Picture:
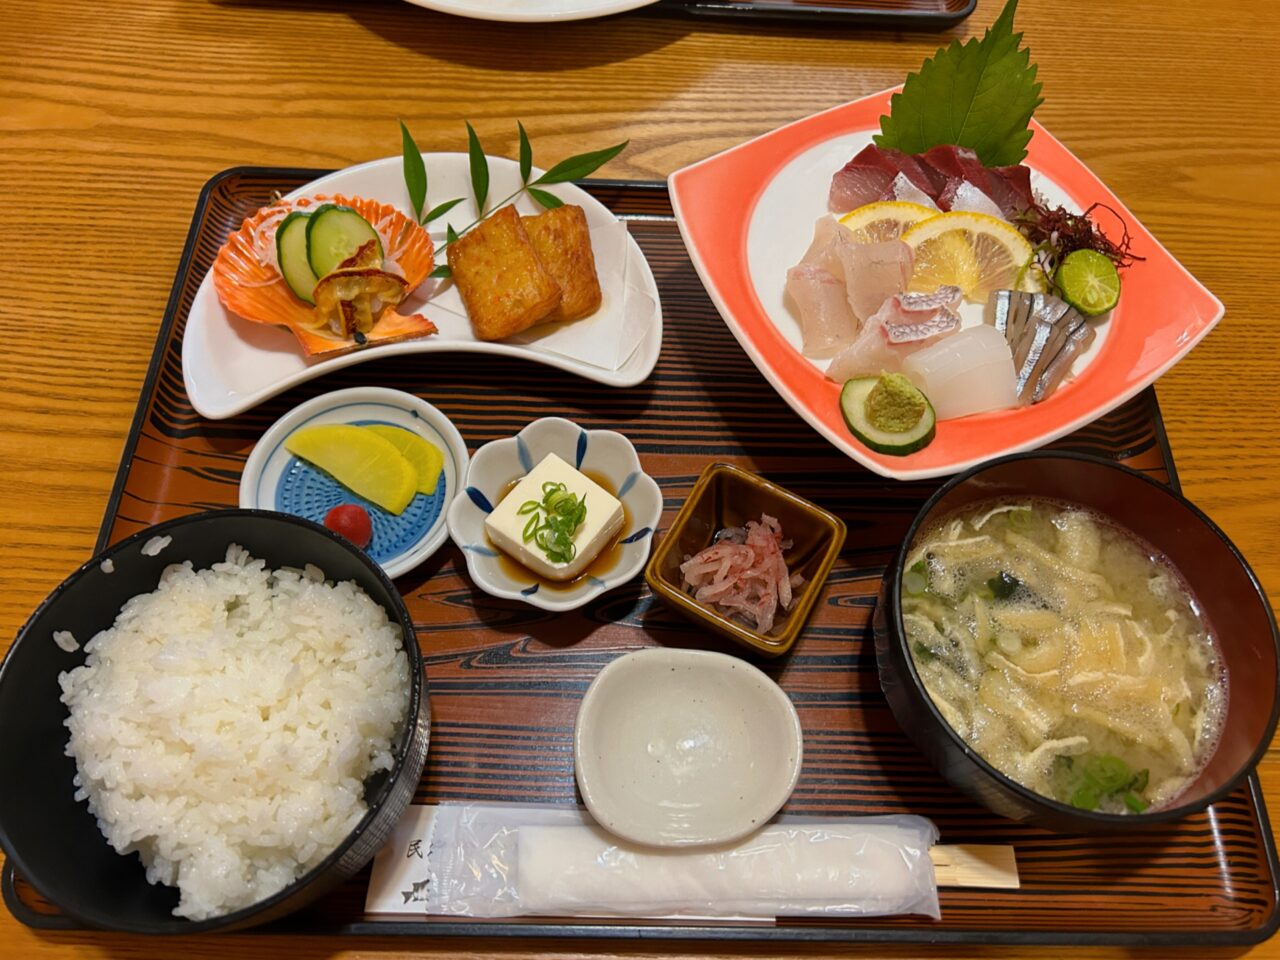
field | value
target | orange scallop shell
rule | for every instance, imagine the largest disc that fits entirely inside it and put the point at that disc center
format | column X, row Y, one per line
column 257, row 292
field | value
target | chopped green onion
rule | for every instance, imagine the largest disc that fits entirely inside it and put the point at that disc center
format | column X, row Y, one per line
column 915, row 583
column 1134, row 802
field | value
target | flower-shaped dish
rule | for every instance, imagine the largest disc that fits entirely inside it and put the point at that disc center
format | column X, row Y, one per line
column 726, row 496
column 607, row 458
column 747, row 214
column 275, row 479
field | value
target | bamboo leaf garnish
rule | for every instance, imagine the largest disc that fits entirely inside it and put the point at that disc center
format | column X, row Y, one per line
column 441, row 209
column 583, row 165
column 574, row 168
column 526, row 155
column 415, row 172
column 548, row 200
column 441, row 272
column 479, row 169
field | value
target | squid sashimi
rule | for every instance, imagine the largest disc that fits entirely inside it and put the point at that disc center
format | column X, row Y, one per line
column 965, row 373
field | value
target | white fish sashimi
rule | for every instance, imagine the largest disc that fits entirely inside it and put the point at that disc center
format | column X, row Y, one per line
column 872, row 353
column 828, row 236
column 874, row 272
column 826, row 321
column 968, row 372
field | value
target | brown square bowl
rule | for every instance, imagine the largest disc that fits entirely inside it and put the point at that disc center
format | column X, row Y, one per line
column 727, row 496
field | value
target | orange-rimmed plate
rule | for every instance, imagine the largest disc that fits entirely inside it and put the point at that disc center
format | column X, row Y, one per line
column 747, row 214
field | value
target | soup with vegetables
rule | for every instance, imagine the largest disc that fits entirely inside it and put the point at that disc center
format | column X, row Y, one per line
column 1067, row 652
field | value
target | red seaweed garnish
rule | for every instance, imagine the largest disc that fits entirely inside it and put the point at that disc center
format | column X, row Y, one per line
column 1056, row 231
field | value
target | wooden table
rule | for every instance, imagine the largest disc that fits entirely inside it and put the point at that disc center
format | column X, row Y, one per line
column 113, row 116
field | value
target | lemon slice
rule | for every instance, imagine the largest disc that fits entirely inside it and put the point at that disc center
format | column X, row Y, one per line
column 423, row 454
column 975, row 252
column 360, row 460
column 884, row 220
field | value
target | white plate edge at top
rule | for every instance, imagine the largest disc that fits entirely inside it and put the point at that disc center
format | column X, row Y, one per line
column 509, row 12
column 200, row 379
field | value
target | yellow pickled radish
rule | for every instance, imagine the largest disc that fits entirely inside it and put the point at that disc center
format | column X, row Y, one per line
column 360, row 460
column 423, row 454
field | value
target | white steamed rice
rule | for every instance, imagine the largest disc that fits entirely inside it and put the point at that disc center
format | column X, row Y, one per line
column 222, row 728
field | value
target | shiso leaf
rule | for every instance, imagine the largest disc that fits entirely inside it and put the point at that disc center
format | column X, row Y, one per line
column 415, row 172
column 979, row 95
column 582, row 165
column 548, row 200
column 526, row 154
column 479, row 169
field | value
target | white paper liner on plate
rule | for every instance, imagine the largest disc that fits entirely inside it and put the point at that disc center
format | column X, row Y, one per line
column 492, row 860
column 608, row 337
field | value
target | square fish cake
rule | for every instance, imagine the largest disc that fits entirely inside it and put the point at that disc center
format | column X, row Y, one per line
column 503, row 284
column 563, row 243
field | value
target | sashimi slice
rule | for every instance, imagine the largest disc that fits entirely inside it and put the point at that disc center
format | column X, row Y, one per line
column 827, row 322
column 828, row 236
column 966, row 373
column 903, row 189
column 874, row 272
column 872, row 352
column 860, row 181
column 963, row 196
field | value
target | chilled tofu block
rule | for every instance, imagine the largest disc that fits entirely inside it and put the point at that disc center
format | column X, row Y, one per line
column 506, row 525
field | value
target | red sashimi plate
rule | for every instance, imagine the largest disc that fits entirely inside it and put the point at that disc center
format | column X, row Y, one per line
column 747, row 214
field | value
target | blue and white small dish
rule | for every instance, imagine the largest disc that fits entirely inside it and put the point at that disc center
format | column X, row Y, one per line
column 602, row 454
column 274, row 479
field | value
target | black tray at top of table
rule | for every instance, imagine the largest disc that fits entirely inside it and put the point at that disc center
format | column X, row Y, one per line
column 505, row 679
column 897, row 14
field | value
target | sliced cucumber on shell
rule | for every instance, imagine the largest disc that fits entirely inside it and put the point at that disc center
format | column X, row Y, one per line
column 291, row 255
column 335, row 233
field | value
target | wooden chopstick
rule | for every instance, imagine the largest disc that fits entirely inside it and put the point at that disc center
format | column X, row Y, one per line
column 988, row 865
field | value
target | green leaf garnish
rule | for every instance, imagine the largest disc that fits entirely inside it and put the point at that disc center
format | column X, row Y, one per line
column 583, row 165
column 441, row 209
column 415, row 172
column 441, row 272
column 526, row 154
column 979, row 95
column 479, row 169
column 553, row 521
column 548, row 200
column 415, row 178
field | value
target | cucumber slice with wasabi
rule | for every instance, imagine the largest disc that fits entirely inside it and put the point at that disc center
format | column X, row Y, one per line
column 335, row 233
column 291, row 255
column 888, row 413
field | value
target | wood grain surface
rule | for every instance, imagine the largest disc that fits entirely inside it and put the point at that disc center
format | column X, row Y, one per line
column 113, row 115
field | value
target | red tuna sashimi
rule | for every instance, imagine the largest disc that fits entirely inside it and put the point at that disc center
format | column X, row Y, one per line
column 868, row 177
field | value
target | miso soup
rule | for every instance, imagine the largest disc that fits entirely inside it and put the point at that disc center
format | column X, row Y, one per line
column 1067, row 652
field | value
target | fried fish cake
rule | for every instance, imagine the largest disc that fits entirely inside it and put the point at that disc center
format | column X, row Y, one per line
column 503, row 284
column 563, row 243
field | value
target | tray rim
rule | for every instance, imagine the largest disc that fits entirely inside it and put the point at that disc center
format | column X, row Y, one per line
column 534, row 930
column 766, row 10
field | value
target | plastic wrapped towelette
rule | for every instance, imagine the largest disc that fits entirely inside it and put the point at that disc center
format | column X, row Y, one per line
column 486, row 860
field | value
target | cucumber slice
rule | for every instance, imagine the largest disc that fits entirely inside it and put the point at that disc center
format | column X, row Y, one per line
column 334, row 233
column 853, row 404
column 291, row 255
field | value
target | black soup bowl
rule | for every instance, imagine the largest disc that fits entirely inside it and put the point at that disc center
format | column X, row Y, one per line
column 54, row 841
column 1231, row 598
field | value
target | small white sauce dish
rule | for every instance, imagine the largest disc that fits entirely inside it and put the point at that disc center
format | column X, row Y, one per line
column 601, row 454
column 677, row 748
column 275, row 479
